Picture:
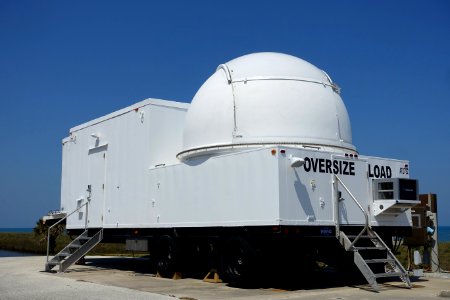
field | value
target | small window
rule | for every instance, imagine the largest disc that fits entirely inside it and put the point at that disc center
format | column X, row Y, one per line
column 386, row 190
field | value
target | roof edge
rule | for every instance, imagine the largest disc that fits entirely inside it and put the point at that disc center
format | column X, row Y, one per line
column 148, row 101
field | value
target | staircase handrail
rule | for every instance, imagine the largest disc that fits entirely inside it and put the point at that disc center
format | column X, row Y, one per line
column 74, row 211
column 366, row 216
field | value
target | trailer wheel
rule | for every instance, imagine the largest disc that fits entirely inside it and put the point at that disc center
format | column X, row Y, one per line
column 166, row 256
column 237, row 261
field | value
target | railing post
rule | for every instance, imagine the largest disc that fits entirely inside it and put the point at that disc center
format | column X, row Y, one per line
column 48, row 243
column 336, row 205
column 86, row 218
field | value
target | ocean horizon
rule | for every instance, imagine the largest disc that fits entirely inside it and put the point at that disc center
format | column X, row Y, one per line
column 16, row 230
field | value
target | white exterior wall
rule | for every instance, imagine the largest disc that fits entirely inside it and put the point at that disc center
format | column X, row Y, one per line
column 255, row 187
column 306, row 196
column 230, row 190
column 137, row 182
column 130, row 141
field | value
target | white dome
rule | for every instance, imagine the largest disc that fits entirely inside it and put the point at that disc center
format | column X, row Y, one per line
column 266, row 99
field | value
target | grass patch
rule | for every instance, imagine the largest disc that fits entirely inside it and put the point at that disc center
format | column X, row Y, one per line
column 444, row 255
column 22, row 242
column 30, row 243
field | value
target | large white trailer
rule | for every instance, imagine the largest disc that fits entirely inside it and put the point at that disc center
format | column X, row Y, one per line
column 260, row 165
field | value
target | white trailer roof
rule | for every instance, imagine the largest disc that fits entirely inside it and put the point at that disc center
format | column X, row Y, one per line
column 149, row 101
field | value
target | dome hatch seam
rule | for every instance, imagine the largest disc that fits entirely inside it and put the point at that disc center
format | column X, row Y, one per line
column 287, row 78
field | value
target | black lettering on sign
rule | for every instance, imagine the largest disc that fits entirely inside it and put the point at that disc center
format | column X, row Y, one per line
column 345, row 167
column 321, row 165
column 328, row 166
column 314, row 164
column 352, row 168
column 404, row 170
column 376, row 171
column 307, row 164
column 335, row 167
column 380, row 171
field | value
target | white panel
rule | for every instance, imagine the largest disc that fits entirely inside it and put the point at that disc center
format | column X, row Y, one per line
column 238, row 189
column 306, row 195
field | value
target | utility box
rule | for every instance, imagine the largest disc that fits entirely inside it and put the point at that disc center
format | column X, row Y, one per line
column 421, row 216
column 394, row 195
column 419, row 229
column 136, row 245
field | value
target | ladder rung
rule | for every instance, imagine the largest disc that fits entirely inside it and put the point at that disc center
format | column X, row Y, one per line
column 391, row 274
column 378, row 260
column 50, row 263
column 74, row 246
column 63, row 254
column 362, row 237
column 369, row 248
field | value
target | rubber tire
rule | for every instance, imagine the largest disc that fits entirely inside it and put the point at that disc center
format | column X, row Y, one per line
column 238, row 261
column 197, row 258
column 167, row 255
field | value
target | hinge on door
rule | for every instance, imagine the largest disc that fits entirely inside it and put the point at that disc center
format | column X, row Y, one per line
column 103, row 186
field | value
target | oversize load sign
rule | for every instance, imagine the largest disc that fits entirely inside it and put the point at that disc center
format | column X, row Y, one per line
column 343, row 167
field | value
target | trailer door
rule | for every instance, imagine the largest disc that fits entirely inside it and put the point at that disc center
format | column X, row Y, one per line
column 353, row 173
column 97, row 172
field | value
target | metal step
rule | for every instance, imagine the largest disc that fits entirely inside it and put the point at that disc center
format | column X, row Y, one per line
column 370, row 248
column 378, row 260
column 391, row 274
column 361, row 237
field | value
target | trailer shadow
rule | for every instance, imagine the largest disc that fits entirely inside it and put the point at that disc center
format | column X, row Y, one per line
column 141, row 265
column 292, row 280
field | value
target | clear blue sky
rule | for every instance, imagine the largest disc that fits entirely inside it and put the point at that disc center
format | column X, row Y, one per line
column 66, row 62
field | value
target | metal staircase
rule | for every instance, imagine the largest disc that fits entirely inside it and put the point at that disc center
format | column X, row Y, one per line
column 78, row 248
column 370, row 252
column 373, row 257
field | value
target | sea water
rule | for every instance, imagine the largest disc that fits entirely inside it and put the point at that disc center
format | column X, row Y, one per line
column 7, row 253
column 444, row 233
column 17, row 230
